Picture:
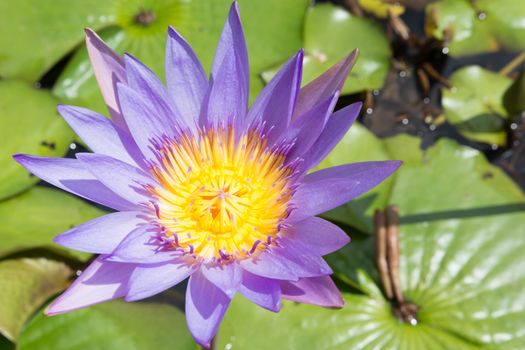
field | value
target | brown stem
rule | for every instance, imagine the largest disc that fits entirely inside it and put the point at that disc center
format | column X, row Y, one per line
column 393, row 251
column 381, row 252
column 354, row 7
column 435, row 75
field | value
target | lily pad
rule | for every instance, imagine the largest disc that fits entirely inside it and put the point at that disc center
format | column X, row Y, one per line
column 25, row 284
column 331, row 33
column 474, row 105
column 475, row 27
column 273, row 31
column 29, row 123
column 461, row 263
column 32, row 219
column 36, row 34
column 113, row 325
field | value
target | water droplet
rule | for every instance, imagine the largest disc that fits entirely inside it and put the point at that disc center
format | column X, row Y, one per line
column 494, row 147
column 445, row 50
column 482, row 16
column 516, row 143
column 426, row 100
column 73, row 146
column 78, row 272
column 369, row 111
column 513, row 126
column 405, row 121
column 432, row 127
column 38, row 85
column 376, row 92
column 413, row 322
column 228, row 346
column 428, row 119
column 402, row 74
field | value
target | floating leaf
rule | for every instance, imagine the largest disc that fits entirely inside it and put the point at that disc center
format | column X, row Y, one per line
column 113, row 325
column 474, row 105
column 461, row 263
column 200, row 22
column 36, row 34
column 29, row 123
column 33, row 218
column 381, row 8
column 25, row 284
column 470, row 27
column 331, row 33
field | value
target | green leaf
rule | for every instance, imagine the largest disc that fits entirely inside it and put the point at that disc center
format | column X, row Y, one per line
column 330, row 34
column 29, row 123
column 475, row 27
column 273, row 31
column 33, row 218
column 461, row 263
column 36, row 34
column 25, row 284
column 366, row 322
column 474, row 105
column 113, row 325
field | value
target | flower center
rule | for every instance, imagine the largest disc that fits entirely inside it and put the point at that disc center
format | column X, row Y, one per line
column 221, row 198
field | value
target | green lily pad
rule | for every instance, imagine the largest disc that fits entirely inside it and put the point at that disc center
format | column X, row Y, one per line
column 461, row 263
column 330, row 34
column 273, row 31
column 113, row 325
column 29, row 123
column 474, row 105
column 36, row 34
column 25, row 284
column 32, row 219
column 476, row 27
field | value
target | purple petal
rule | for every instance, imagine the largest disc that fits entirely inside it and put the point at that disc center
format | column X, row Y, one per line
column 70, row 175
column 319, row 291
column 226, row 277
column 125, row 180
column 275, row 104
column 262, row 291
column 318, row 235
column 205, row 308
column 144, row 82
column 329, row 188
column 100, row 281
column 186, row 79
column 109, row 70
column 302, row 260
column 146, row 126
column 270, row 265
column 101, row 235
column 324, row 86
column 148, row 280
column 306, row 129
column 336, row 127
column 142, row 246
column 101, row 134
column 227, row 98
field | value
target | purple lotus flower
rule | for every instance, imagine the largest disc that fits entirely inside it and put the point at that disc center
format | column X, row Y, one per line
column 205, row 188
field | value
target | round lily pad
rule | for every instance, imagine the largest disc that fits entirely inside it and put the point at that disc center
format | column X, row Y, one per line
column 33, row 218
column 474, row 104
column 112, row 325
column 330, row 34
column 25, row 284
column 472, row 27
column 29, row 123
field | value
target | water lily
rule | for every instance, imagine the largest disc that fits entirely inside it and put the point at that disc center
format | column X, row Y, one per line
column 204, row 187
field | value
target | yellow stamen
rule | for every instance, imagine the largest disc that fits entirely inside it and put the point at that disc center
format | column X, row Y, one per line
column 221, row 197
